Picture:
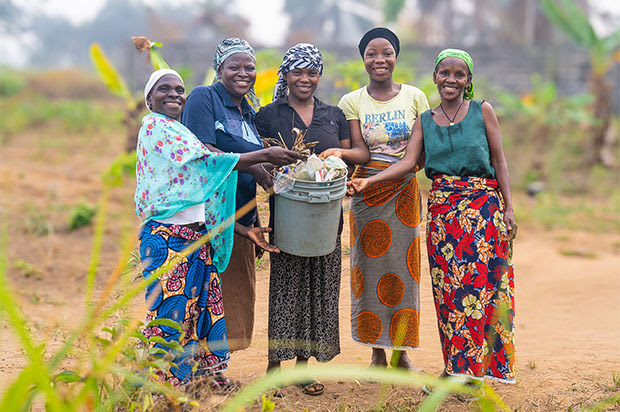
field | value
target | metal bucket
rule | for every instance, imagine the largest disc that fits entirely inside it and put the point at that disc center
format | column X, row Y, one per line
column 307, row 217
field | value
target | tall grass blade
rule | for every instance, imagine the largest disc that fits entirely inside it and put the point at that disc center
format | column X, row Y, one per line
column 350, row 373
column 100, row 221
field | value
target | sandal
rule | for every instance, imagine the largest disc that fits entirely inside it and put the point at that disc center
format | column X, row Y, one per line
column 429, row 389
column 221, row 384
column 475, row 391
column 305, row 387
column 279, row 393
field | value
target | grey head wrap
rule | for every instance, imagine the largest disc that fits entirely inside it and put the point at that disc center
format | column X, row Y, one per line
column 227, row 48
column 300, row 56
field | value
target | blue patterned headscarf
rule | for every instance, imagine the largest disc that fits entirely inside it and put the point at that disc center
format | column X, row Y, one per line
column 227, row 48
column 300, row 56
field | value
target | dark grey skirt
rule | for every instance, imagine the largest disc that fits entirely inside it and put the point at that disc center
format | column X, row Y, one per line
column 303, row 306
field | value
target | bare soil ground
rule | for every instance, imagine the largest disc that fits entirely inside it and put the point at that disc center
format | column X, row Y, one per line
column 567, row 290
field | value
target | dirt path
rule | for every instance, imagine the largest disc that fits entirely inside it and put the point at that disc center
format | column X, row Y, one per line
column 567, row 292
column 568, row 309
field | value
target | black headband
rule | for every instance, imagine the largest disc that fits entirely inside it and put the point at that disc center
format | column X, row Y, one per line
column 379, row 32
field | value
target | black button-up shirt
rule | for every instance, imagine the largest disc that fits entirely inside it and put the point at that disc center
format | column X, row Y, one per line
column 329, row 126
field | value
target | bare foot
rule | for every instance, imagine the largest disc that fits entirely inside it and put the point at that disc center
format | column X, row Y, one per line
column 378, row 358
column 273, row 366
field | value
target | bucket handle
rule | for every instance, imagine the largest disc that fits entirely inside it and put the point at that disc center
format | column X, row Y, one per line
column 324, row 197
column 318, row 197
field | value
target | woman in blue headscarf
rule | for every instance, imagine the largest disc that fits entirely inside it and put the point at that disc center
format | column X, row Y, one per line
column 185, row 192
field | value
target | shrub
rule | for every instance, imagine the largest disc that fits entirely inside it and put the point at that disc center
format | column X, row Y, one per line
column 82, row 215
column 11, row 82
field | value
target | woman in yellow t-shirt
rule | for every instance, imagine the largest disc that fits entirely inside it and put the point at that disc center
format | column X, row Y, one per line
column 384, row 218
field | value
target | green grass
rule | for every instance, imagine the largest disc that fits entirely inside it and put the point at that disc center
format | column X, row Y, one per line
column 11, row 82
column 58, row 116
column 577, row 253
column 582, row 213
column 28, row 270
column 616, row 379
column 38, row 224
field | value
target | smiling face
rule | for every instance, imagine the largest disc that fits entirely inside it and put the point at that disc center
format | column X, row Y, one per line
column 452, row 77
column 237, row 75
column 167, row 97
column 302, row 83
column 379, row 59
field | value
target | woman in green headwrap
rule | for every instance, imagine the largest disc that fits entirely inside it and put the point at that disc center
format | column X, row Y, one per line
column 470, row 224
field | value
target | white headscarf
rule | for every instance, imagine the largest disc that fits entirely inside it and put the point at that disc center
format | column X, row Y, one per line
column 155, row 76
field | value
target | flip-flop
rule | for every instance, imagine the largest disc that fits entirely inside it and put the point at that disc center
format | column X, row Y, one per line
column 474, row 393
column 305, row 388
column 428, row 389
column 220, row 383
column 279, row 393
column 463, row 397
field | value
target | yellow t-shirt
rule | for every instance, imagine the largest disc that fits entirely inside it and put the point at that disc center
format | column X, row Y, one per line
column 385, row 126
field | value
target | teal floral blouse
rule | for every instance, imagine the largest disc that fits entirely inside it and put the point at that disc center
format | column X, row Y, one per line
column 175, row 171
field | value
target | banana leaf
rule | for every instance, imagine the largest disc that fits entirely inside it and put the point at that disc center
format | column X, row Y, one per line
column 113, row 81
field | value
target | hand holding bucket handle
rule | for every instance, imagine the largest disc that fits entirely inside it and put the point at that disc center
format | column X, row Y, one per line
column 279, row 156
column 356, row 186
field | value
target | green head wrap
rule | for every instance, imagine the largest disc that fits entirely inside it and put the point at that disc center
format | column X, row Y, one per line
column 468, row 93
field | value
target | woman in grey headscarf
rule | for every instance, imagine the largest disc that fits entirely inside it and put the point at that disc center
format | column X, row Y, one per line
column 222, row 117
column 303, row 291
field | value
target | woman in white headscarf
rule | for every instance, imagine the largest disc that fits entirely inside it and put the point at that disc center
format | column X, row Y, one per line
column 185, row 192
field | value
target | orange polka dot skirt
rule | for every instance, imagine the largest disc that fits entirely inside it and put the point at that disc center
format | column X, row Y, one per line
column 385, row 261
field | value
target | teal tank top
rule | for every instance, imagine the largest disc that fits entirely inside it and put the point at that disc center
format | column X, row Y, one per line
column 458, row 150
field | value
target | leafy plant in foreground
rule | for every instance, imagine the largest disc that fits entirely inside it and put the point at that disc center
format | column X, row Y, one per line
column 105, row 374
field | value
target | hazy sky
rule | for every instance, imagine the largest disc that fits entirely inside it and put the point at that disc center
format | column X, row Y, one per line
column 268, row 23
